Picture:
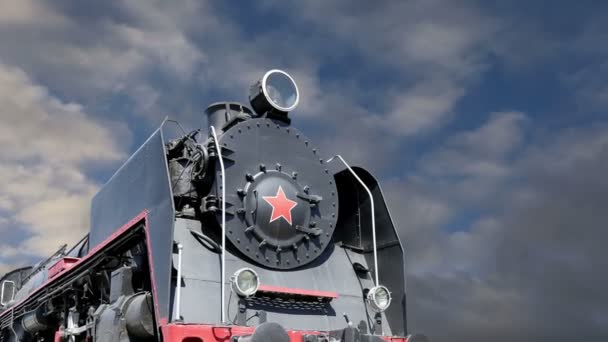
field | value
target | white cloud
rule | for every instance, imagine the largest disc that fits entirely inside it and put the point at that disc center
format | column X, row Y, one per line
column 5, row 268
column 421, row 108
column 47, row 143
column 482, row 152
column 437, row 49
column 27, row 12
column 37, row 125
column 93, row 58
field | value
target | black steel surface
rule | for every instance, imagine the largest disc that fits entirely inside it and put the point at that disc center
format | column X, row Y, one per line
column 261, row 156
column 142, row 183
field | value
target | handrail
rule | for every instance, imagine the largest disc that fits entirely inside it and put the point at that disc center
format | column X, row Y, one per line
column 223, row 174
column 371, row 199
column 178, row 289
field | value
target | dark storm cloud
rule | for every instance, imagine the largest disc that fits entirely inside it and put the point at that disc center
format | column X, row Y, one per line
column 532, row 268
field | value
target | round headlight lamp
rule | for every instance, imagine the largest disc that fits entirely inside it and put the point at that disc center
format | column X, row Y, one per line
column 276, row 91
column 379, row 298
column 245, row 282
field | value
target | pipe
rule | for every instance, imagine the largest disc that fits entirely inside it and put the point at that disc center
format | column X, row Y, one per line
column 371, row 200
column 223, row 173
column 178, row 289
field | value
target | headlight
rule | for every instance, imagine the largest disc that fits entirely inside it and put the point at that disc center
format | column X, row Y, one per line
column 276, row 90
column 245, row 282
column 379, row 298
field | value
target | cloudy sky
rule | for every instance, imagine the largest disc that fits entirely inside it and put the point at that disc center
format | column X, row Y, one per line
column 486, row 123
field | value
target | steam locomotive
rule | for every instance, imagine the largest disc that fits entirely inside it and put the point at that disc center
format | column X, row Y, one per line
column 244, row 235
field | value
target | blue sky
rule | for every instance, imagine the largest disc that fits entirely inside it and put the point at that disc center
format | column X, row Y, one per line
column 486, row 124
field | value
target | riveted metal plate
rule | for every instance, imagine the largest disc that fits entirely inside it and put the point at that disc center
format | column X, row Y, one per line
column 269, row 162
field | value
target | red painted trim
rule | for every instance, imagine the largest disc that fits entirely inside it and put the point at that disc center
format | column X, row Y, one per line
column 300, row 292
column 58, row 336
column 209, row 333
column 61, row 265
column 159, row 320
column 133, row 222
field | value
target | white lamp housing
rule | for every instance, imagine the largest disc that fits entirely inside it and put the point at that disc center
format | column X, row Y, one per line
column 276, row 91
column 379, row 298
column 245, row 282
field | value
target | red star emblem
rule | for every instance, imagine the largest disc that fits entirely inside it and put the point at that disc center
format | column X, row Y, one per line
column 281, row 206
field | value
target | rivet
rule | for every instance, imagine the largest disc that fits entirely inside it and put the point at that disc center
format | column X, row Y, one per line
column 262, row 167
column 294, row 175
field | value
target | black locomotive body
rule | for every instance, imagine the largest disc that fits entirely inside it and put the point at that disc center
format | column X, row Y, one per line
column 244, row 235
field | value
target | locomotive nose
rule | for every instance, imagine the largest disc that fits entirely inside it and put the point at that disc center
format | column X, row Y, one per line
column 267, row 332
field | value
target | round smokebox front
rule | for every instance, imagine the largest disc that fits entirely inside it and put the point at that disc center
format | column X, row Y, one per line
column 281, row 200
